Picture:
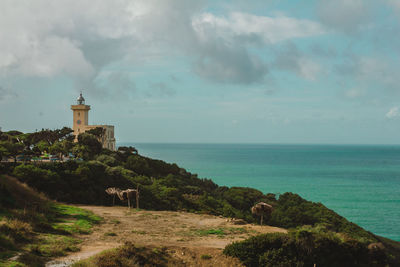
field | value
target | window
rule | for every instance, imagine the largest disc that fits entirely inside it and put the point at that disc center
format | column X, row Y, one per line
column 79, row 114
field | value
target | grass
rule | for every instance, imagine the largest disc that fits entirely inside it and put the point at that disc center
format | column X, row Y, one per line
column 36, row 229
column 74, row 220
column 205, row 257
column 206, row 232
column 43, row 236
column 54, row 246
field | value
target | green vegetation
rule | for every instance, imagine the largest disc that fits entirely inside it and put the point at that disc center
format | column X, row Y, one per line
column 34, row 228
column 205, row 257
column 130, row 255
column 290, row 211
column 305, row 246
column 166, row 186
column 218, row 232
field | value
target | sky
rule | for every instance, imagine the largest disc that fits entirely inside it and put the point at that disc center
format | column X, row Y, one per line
column 179, row 71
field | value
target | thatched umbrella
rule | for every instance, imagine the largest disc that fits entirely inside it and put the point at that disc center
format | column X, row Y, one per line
column 113, row 191
column 124, row 194
column 261, row 209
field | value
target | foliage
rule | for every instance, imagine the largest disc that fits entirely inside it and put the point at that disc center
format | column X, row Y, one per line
column 98, row 132
column 291, row 211
column 304, row 247
column 165, row 186
column 91, row 145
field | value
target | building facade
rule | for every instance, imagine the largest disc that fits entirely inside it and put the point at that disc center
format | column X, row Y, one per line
column 81, row 124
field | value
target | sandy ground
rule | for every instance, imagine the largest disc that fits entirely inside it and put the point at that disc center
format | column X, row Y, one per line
column 183, row 234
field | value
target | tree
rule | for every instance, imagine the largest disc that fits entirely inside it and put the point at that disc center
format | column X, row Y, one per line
column 98, row 131
column 57, row 148
column 89, row 145
column 2, row 152
column 11, row 149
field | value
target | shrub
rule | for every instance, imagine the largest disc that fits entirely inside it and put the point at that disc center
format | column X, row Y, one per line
column 205, row 257
column 303, row 247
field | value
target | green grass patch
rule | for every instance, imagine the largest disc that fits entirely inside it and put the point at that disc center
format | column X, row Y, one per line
column 54, row 246
column 234, row 230
column 206, row 232
column 74, row 219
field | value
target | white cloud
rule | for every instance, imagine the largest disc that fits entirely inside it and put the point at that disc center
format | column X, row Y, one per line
column 267, row 29
column 393, row 112
column 78, row 39
column 290, row 58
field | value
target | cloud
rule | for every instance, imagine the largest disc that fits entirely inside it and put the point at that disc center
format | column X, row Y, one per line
column 347, row 16
column 290, row 58
column 160, row 89
column 79, row 39
column 221, row 63
column 113, row 85
column 262, row 28
column 393, row 113
column 223, row 44
column 371, row 71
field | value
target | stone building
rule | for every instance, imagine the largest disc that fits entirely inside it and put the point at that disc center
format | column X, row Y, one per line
column 81, row 124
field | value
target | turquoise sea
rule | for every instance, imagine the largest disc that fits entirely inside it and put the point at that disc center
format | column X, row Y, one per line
column 361, row 183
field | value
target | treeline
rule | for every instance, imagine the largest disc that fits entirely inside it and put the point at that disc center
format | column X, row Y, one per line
column 59, row 142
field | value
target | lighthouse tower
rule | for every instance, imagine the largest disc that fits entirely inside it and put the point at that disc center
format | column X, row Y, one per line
column 80, row 116
column 81, row 124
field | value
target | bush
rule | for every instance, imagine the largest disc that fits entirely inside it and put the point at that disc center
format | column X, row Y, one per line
column 292, row 211
column 303, row 247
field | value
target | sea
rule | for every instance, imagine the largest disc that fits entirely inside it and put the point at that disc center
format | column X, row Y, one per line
column 359, row 182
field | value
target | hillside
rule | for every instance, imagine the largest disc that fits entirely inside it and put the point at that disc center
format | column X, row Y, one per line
column 167, row 187
column 34, row 229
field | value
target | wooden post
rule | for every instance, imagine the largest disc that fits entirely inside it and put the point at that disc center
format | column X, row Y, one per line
column 129, row 201
column 113, row 199
column 262, row 218
column 137, row 197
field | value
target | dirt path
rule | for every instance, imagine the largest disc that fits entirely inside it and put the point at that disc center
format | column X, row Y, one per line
column 186, row 235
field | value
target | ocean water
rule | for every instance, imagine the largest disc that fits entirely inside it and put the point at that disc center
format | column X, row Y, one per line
column 361, row 183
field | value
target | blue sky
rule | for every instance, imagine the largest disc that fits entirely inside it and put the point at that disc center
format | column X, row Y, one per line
column 206, row 71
